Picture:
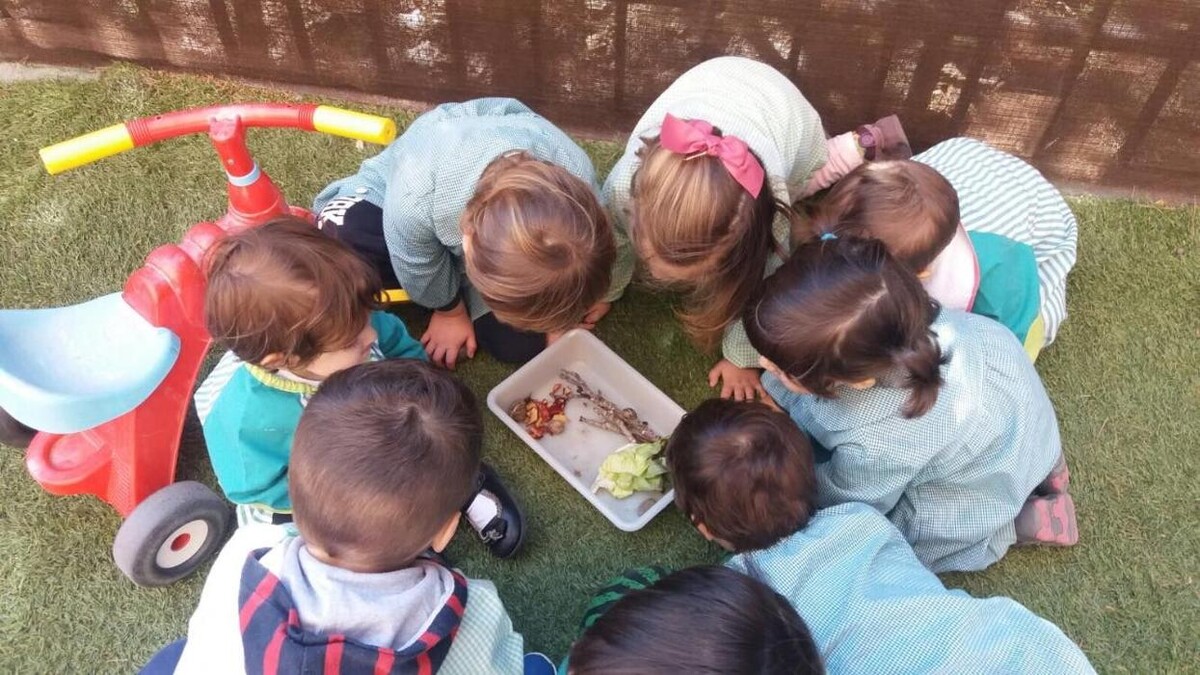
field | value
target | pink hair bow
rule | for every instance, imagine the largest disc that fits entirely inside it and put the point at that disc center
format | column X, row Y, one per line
column 691, row 137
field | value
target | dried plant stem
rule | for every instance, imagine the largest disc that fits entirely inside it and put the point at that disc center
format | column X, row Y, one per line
column 623, row 421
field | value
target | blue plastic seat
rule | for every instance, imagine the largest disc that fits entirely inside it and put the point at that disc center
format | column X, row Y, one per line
column 67, row 369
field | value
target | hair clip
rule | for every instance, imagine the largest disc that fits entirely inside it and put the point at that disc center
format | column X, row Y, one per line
column 828, row 236
column 696, row 138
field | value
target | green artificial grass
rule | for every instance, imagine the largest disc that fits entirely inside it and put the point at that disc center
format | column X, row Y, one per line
column 1123, row 376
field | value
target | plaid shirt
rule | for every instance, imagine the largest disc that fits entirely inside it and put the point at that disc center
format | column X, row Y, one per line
column 425, row 178
column 1000, row 194
column 756, row 103
column 872, row 607
column 954, row 479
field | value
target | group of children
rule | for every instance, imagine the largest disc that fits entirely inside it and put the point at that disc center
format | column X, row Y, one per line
column 880, row 417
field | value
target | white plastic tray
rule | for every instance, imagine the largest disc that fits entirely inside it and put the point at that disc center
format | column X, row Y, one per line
column 576, row 453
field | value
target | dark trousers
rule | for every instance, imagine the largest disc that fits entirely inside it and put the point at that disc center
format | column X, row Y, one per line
column 360, row 226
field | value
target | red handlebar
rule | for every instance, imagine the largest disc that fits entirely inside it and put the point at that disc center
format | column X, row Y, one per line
column 147, row 130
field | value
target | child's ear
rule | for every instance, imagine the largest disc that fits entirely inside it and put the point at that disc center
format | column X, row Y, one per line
column 703, row 529
column 442, row 539
column 274, row 361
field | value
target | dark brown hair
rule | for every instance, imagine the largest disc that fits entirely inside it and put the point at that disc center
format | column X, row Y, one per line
column 541, row 248
column 384, row 455
column 744, row 471
column 907, row 205
column 844, row 311
column 705, row 619
column 690, row 216
column 286, row 288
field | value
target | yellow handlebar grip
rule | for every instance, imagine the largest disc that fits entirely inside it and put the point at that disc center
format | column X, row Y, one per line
column 394, row 296
column 350, row 124
column 86, row 149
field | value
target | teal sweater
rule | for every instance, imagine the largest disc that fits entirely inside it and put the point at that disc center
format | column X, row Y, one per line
column 249, row 416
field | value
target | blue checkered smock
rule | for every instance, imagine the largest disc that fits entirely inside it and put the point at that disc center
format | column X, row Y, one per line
column 953, row 479
column 425, row 178
column 873, row 609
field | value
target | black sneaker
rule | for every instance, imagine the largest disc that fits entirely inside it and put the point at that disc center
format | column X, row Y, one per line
column 495, row 516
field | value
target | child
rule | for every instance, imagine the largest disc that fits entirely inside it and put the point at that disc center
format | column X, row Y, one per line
column 984, row 231
column 384, row 456
column 933, row 416
column 488, row 188
column 705, row 189
column 744, row 475
column 698, row 620
column 294, row 306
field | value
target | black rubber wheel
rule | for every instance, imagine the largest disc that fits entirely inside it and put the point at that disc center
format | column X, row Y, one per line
column 171, row 534
column 13, row 432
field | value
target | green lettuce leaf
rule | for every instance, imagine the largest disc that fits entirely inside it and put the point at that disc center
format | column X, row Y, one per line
column 637, row 467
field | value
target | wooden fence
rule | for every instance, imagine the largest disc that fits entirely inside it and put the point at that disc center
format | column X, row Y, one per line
column 1103, row 93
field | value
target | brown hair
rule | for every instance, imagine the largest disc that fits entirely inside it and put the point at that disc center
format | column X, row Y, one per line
column 286, row 288
column 844, row 311
column 384, row 455
column 689, row 215
column 706, row 619
column 907, row 205
column 744, row 471
column 541, row 248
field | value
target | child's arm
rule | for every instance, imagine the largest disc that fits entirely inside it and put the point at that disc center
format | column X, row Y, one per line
column 486, row 640
column 738, row 373
column 786, row 399
column 424, row 265
column 844, row 155
column 614, row 195
column 214, row 643
column 394, row 340
column 855, row 473
column 249, row 438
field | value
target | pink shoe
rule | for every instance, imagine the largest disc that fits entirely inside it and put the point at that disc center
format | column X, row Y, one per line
column 885, row 139
column 1048, row 521
column 1058, row 482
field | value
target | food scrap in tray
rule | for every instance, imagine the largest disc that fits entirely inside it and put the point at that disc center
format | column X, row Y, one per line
column 634, row 467
column 541, row 416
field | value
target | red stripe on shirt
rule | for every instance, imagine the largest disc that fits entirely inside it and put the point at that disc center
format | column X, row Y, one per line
column 424, row 665
column 333, row 654
column 271, row 655
column 455, row 605
column 256, row 599
column 383, row 662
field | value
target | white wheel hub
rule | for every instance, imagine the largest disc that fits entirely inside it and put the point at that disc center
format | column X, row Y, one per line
column 182, row 545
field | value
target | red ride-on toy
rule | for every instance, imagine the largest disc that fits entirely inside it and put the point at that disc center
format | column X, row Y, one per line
column 98, row 391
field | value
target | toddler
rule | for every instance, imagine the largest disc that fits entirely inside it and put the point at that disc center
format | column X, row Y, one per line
column 385, row 455
column 984, row 231
column 706, row 186
column 743, row 474
column 933, row 416
column 487, row 214
column 698, row 620
column 294, row 306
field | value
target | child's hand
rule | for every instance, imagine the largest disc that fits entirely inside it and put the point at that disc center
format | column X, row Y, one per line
column 594, row 314
column 741, row 384
column 449, row 333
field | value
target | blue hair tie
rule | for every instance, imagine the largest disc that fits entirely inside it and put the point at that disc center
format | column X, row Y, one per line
column 828, row 236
